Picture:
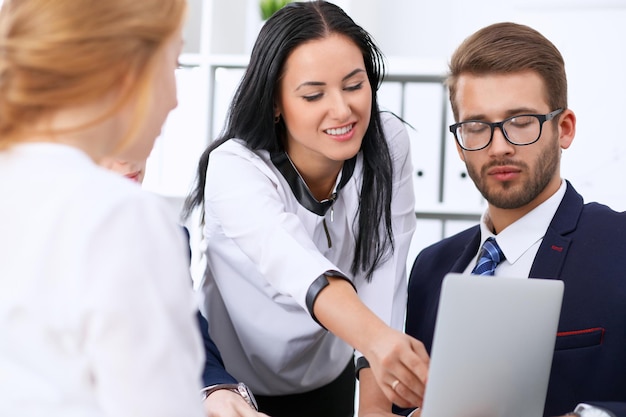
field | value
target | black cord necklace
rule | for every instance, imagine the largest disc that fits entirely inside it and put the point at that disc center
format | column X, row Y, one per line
column 299, row 188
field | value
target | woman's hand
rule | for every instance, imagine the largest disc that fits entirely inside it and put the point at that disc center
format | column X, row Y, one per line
column 399, row 364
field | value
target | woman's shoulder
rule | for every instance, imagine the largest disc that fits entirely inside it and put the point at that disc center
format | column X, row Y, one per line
column 237, row 148
column 396, row 133
column 391, row 120
column 234, row 156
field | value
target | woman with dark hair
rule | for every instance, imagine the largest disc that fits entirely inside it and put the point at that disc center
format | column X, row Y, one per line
column 308, row 198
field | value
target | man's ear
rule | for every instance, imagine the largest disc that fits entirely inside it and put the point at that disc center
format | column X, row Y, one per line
column 567, row 128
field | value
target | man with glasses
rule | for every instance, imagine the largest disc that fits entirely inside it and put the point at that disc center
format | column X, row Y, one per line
column 508, row 92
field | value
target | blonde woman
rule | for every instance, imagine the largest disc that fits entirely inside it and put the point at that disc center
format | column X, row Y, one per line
column 96, row 313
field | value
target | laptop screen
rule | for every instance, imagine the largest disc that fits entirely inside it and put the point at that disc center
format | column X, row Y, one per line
column 492, row 347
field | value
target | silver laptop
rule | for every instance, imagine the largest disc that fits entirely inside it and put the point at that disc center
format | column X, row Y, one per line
column 493, row 346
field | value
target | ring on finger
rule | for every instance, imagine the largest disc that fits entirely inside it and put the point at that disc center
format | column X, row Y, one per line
column 395, row 384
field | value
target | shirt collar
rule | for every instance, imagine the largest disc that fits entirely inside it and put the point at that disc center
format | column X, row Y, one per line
column 521, row 235
column 299, row 188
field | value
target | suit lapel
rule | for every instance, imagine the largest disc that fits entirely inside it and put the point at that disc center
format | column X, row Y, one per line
column 555, row 245
column 468, row 253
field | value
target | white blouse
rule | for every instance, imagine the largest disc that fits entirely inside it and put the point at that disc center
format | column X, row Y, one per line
column 264, row 250
column 96, row 307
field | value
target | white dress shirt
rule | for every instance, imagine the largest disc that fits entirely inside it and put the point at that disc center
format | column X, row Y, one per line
column 264, row 250
column 96, row 307
column 520, row 240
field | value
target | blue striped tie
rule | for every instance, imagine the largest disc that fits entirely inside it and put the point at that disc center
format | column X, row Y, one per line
column 490, row 256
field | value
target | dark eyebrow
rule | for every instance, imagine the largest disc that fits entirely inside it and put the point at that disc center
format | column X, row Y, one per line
column 319, row 83
column 352, row 74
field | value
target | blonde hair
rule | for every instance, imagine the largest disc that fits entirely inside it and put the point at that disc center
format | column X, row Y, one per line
column 63, row 53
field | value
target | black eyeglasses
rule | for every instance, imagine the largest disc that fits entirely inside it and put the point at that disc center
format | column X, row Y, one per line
column 521, row 130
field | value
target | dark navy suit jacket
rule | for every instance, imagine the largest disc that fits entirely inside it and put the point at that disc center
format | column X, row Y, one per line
column 214, row 371
column 585, row 246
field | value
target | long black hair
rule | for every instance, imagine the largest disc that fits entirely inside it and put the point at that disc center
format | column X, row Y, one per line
column 251, row 117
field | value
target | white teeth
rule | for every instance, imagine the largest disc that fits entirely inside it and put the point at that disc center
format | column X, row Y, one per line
column 341, row 131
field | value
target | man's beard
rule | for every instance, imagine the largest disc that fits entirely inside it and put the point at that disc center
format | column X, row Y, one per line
column 509, row 195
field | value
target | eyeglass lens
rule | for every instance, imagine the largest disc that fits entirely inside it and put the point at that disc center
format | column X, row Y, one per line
column 520, row 130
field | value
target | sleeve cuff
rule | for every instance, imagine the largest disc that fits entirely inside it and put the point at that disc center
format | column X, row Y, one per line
column 317, row 286
column 361, row 363
column 587, row 410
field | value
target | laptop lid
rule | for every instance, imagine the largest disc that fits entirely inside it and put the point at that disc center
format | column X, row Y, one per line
column 492, row 347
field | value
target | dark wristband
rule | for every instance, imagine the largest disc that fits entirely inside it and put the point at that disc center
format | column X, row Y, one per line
column 316, row 288
column 361, row 363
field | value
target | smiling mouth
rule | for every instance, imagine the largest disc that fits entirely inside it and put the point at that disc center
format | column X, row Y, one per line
column 340, row 131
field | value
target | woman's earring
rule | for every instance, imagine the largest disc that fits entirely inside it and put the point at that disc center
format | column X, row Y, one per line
column 277, row 118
